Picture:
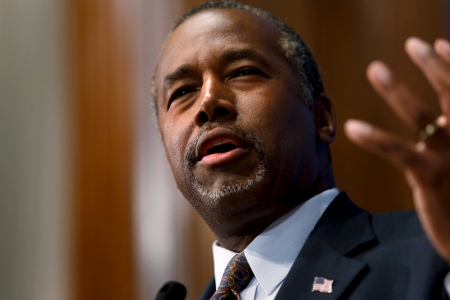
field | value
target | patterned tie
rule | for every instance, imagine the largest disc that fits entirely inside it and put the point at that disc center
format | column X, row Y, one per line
column 235, row 278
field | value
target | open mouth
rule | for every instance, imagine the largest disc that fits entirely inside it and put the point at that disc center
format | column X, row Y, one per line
column 221, row 147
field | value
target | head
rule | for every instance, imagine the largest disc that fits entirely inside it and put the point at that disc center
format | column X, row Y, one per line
column 291, row 46
column 243, row 117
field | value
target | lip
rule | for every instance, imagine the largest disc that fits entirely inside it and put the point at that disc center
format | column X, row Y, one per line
column 216, row 137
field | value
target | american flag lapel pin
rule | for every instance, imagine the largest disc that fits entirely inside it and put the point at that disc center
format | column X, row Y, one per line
column 322, row 285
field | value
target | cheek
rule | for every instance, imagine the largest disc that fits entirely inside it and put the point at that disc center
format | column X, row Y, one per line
column 175, row 141
column 273, row 111
column 286, row 127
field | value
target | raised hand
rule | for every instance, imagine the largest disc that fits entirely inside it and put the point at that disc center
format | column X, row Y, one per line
column 425, row 162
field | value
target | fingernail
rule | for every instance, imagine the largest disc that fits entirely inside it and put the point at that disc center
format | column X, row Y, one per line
column 358, row 127
column 419, row 47
column 382, row 73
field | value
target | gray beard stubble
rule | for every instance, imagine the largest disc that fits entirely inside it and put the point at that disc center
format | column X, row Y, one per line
column 228, row 189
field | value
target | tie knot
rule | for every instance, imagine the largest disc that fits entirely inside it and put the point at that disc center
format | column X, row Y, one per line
column 235, row 278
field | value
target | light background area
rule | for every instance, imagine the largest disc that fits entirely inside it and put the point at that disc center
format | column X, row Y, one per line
column 34, row 148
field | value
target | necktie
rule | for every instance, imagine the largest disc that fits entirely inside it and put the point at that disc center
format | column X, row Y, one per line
column 235, row 278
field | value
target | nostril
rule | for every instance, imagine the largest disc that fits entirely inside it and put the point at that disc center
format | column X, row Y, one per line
column 221, row 112
column 203, row 117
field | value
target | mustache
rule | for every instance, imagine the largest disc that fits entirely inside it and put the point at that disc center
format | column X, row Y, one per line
column 191, row 157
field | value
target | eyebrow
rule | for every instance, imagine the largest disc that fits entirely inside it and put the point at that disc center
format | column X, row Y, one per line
column 225, row 58
column 250, row 54
column 176, row 75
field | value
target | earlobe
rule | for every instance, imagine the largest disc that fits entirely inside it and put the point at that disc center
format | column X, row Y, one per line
column 325, row 118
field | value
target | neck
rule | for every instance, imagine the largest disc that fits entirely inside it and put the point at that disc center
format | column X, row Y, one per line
column 237, row 243
column 236, row 239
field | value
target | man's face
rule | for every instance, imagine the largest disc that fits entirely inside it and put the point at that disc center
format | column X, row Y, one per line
column 237, row 133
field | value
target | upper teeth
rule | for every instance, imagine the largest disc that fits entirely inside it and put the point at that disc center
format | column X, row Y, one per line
column 218, row 143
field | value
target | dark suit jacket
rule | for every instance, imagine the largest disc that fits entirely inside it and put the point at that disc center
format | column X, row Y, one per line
column 384, row 256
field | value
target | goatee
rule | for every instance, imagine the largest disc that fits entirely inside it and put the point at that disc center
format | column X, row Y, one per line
column 226, row 189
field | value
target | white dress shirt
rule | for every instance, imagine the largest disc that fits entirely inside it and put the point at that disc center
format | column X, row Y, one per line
column 273, row 252
column 447, row 284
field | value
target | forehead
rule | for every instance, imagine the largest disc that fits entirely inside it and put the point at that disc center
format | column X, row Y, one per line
column 209, row 32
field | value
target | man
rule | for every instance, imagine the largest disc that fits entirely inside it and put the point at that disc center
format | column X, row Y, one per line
column 246, row 126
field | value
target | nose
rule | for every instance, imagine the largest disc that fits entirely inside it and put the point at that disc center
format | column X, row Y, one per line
column 215, row 103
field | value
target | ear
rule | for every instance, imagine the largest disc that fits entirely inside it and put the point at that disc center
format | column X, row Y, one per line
column 325, row 118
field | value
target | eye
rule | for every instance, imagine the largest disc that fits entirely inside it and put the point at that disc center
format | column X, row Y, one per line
column 247, row 72
column 179, row 93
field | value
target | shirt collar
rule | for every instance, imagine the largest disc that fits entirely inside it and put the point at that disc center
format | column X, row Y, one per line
column 273, row 252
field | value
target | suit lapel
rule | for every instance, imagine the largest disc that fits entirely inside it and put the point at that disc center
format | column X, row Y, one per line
column 209, row 290
column 342, row 232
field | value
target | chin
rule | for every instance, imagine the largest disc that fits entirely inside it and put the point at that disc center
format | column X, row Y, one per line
column 231, row 195
column 230, row 189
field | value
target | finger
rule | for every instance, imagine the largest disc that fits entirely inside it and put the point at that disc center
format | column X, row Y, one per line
column 387, row 145
column 402, row 101
column 434, row 67
column 442, row 121
column 442, row 48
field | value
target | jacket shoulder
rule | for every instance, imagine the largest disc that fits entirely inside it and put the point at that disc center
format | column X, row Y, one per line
column 394, row 225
